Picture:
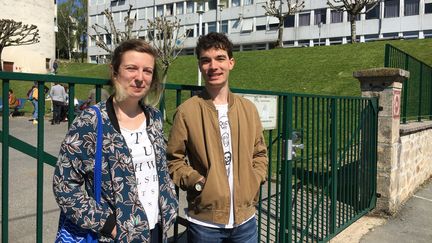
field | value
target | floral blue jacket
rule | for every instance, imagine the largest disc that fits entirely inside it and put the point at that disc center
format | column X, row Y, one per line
column 120, row 205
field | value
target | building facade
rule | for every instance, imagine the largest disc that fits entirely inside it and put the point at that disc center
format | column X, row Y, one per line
column 249, row 28
column 38, row 57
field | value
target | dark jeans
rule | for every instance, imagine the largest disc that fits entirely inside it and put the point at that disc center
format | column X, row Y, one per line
column 245, row 233
column 156, row 234
column 57, row 108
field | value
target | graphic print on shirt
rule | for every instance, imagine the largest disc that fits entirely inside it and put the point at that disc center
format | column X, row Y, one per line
column 226, row 140
column 143, row 157
column 225, row 132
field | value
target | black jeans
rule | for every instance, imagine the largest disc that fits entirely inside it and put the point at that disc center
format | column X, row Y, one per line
column 57, row 107
column 156, row 234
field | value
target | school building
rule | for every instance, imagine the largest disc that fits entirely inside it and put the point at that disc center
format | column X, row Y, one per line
column 249, row 28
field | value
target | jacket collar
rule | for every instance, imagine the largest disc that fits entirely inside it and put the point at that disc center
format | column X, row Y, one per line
column 208, row 101
column 113, row 118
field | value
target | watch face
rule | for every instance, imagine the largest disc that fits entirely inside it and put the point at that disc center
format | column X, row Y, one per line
column 198, row 187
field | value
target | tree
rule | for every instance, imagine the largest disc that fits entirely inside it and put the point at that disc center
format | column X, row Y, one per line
column 113, row 34
column 72, row 25
column 67, row 27
column 80, row 15
column 166, row 38
column 14, row 33
column 164, row 34
column 281, row 12
column 353, row 8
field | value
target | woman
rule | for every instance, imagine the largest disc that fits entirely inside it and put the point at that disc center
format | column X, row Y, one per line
column 138, row 201
column 13, row 103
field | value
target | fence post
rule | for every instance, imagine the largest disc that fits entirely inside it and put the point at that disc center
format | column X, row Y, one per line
column 386, row 84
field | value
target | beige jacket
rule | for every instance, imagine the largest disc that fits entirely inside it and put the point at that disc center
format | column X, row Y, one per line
column 195, row 136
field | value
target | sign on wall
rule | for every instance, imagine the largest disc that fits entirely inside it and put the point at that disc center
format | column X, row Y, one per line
column 267, row 109
column 396, row 103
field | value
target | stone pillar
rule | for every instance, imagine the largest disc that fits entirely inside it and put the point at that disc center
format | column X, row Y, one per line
column 386, row 84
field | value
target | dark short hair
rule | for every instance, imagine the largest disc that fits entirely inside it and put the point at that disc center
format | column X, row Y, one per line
column 140, row 46
column 214, row 40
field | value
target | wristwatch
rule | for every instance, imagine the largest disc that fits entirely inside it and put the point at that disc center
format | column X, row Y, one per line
column 199, row 186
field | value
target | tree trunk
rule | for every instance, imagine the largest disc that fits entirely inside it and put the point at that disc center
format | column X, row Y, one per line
column 353, row 28
column 280, row 33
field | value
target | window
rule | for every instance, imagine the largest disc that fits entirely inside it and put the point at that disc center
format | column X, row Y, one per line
column 304, row 19
column 159, row 10
column 373, row 13
column 357, row 17
column 247, row 2
column 320, row 16
column 235, row 3
column 108, row 39
column 260, row 27
column 247, row 47
column 211, row 27
column 411, row 7
column 247, row 25
column 391, row 8
column 47, row 63
column 262, row 46
column 336, row 17
column 169, row 9
column 224, row 27
column 212, row 4
column 189, row 7
column 190, row 32
column 428, row 8
column 179, row 8
column 289, row 21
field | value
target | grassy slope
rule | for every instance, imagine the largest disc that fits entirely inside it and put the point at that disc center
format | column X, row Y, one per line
column 317, row 70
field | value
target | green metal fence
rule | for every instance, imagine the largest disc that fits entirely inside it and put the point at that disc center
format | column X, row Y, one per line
column 322, row 160
column 323, row 165
column 417, row 89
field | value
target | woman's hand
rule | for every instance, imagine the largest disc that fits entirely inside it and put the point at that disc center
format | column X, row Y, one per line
column 114, row 232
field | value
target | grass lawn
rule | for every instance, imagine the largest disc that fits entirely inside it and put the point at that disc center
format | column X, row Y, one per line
column 314, row 70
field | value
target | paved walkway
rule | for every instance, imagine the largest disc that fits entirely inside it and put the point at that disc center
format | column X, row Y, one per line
column 412, row 224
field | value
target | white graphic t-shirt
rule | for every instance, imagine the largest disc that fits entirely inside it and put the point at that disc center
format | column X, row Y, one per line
column 225, row 132
column 146, row 175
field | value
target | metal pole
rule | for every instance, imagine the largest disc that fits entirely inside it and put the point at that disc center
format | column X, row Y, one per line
column 200, row 12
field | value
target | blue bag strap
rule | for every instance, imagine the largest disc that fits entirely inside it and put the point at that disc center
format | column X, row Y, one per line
column 98, row 158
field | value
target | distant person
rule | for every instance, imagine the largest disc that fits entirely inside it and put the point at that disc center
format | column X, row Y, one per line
column 33, row 96
column 92, row 96
column 138, row 202
column 55, row 66
column 216, row 152
column 58, row 96
column 13, row 103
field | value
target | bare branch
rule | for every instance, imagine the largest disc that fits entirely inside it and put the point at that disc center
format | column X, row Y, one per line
column 353, row 8
column 14, row 33
column 281, row 11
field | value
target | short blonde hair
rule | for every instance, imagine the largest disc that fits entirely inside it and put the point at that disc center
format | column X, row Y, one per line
column 156, row 87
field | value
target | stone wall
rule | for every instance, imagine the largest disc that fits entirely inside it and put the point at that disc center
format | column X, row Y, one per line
column 404, row 152
column 415, row 158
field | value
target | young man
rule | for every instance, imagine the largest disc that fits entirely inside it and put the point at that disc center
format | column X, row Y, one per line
column 216, row 152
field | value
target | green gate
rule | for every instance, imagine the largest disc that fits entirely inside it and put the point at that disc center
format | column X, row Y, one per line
column 322, row 170
column 323, row 164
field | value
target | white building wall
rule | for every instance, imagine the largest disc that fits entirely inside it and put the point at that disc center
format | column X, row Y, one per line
column 239, row 16
column 42, row 13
